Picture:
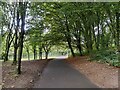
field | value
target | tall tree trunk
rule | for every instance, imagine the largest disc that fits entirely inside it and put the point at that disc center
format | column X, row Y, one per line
column 78, row 42
column 9, row 38
column 16, row 39
column 77, row 34
column 118, row 30
column 20, row 54
column 98, row 36
column 23, row 11
column 68, row 37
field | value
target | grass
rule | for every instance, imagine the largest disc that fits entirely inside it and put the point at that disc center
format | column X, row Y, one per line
column 32, row 58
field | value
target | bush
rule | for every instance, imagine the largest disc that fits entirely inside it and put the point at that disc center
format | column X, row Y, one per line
column 106, row 56
column 2, row 56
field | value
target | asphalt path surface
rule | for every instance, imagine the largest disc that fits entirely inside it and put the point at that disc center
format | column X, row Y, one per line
column 59, row 74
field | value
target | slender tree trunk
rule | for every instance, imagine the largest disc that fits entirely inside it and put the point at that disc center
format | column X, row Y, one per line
column 94, row 37
column 34, row 51
column 78, row 42
column 98, row 36
column 90, row 39
column 103, row 41
column 20, row 54
column 40, row 53
column 77, row 34
column 111, row 26
column 68, row 37
column 118, row 30
column 86, row 36
column 15, row 56
column 35, row 54
column 9, row 38
column 7, row 51
column 28, row 53
column 87, row 45
column 79, row 48
column 16, row 40
column 70, row 46
column 8, row 43
column 46, row 55
column 23, row 11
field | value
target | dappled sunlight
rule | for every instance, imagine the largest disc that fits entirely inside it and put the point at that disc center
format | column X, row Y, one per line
column 58, row 57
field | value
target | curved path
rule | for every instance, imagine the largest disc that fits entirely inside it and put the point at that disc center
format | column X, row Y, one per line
column 59, row 74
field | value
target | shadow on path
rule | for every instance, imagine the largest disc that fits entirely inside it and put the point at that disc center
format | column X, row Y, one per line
column 59, row 74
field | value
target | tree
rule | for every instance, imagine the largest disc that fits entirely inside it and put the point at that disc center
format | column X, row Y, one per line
column 10, row 25
column 22, row 6
column 16, row 35
column 81, row 27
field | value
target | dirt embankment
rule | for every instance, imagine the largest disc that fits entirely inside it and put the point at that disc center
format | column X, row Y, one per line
column 31, row 70
column 102, row 75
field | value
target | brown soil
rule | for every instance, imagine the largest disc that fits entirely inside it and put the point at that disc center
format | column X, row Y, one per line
column 102, row 75
column 30, row 72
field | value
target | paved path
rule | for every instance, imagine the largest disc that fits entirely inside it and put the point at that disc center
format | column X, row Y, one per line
column 59, row 74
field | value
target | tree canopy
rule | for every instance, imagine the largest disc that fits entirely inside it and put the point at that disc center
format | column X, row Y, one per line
column 81, row 27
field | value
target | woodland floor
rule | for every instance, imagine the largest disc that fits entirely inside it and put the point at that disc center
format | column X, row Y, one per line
column 59, row 74
column 102, row 75
column 30, row 71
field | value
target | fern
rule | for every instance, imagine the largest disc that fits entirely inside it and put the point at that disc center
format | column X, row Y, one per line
column 106, row 56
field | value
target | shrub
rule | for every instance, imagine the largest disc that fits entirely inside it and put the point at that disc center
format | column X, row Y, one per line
column 106, row 56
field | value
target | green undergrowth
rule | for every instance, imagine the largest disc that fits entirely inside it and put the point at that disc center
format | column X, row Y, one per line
column 111, row 57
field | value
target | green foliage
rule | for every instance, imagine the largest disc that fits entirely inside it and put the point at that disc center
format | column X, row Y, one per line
column 106, row 56
column 83, row 27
